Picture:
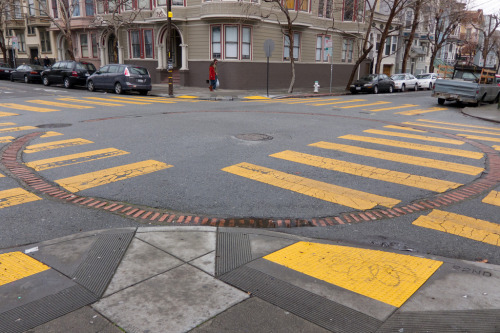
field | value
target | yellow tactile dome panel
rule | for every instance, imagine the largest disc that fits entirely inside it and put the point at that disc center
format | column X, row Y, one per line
column 16, row 265
column 387, row 277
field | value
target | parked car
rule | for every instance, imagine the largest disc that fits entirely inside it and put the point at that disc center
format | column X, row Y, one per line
column 69, row 73
column 497, row 79
column 120, row 78
column 5, row 70
column 374, row 83
column 27, row 73
column 426, row 81
column 405, row 82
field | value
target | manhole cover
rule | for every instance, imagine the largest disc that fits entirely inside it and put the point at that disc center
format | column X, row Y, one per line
column 254, row 137
column 53, row 125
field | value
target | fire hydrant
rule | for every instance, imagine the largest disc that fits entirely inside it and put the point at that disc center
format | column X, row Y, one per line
column 316, row 86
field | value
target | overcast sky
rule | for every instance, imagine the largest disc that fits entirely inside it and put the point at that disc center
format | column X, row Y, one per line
column 488, row 6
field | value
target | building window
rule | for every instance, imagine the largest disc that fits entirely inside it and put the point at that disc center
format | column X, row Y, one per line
column 135, row 43
column 76, row 8
column 31, row 30
column 216, row 42
column 95, row 49
column 17, row 9
column 408, row 19
column 141, row 43
column 42, row 5
column 347, row 48
column 394, row 43
column 144, row 4
column 84, row 45
column 325, row 8
column 246, row 42
column 55, row 12
column 353, row 10
column 302, row 5
column 148, row 43
column 388, row 45
column 22, row 42
column 323, row 48
column 177, row 2
column 296, row 47
column 89, row 7
column 31, row 7
column 231, row 42
column 160, row 3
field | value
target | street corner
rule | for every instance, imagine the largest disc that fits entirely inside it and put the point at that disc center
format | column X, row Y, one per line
column 15, row 266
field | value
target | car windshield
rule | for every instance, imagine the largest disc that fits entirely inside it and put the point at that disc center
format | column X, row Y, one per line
column 370, row 77
column 398, row 77
column 423, row 76
column 35, row 67
column 138, row 70
column 467, row 76
column 85, row 65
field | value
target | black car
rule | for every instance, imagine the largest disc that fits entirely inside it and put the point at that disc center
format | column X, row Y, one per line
column 27, row 73
column 120, row 78
column 69, row 73
column 5, row 70
column 374, row 83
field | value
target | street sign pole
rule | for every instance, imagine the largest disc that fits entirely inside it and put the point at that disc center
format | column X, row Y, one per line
column 268, row 49
column 169, row 51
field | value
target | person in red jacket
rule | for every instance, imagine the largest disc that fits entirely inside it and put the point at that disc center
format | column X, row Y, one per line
column 212, row 75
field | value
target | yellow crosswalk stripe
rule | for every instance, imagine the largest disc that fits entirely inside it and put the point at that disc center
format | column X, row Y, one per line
column 65, row 160
column 187, row 97
column 405, row 128
column 111, row 175
column 17, row 265
column 420, row 111
column 116, row 100
column 279, row 100
column 16, row 129
column 8, row 114
column 402, row 178
column 25, row 107
column 361, row 105
column 496, row 147
column 7, row 124
column 414, row 136
column 148, row 100
column 415, row 146
column 458, row 124
column 393, row 108
column 5, row 139
column 342, row 102
column 493, row 198
column 50, row 134
column 452, row 128
column 61, row 105
column 482, row 138
column 401, row 158
column 89, row 102
column 314, row 100
column 313, row 188
column 16, row 196
column 460, row 225
column 55, row 145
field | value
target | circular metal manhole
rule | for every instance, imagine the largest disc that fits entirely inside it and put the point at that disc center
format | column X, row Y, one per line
column 53, row 125
column 254, row 137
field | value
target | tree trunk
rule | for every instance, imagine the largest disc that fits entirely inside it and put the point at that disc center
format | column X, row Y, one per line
column 69, row 41
column 356, row 65
column 433, row 57
column 292, row 82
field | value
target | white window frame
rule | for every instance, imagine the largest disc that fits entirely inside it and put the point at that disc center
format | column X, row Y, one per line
column 248, row 44
column 231, row 44
column 84, row 46
column 215, row 40
column 296, row 46
column 347, row 50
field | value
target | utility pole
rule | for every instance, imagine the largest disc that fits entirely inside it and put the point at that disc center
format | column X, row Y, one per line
column 169, row 51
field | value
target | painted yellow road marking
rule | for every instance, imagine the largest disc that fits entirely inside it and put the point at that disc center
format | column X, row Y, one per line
column 420, row 111
column 89, row 102
column 402, row 158
column 16, row 196
column 61, row 105
column 362, row 105
column 342, row 102
column 111, row 175
column 393, row 107
column 279, row 100
column 50, row 134
column 5, row 139
column 16, row 129
column 313, row 188
column 116, row 100
column 452, row 128
column 55, row 145
column 415, row 146
column 87, row 156
column 26, row 107
column 142, row 100
column 256, row 97
column 413, row 136
column 190, row 97
column 493, row 198
column 17, row 265
column 460, row 225
column 496, row 147
column 388, row 277
column 315, row 100
column 7, row 124
column 8, row 114
column 482, row 138
column 458, row 124
column 405, row 128
column 402, row 178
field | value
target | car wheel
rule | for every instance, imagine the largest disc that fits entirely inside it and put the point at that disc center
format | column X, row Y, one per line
column 26, row 79
column 143, row 92
column 90, row 86
column 375, row 89
column 11, row 78
column 430, row 86
column 45, row 81
column 441, row 101
column 416, row 87
column 67, row 83
column 391, row 89
column 118, row 88
column 403, row 88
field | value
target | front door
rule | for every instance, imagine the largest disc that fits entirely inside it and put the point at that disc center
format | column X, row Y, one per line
column 34, row 53
column 112, row 50
column 387, row 70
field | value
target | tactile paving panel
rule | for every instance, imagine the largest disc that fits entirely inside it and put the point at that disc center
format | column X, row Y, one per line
column 16, row 265
column 233, row 250
column 387, row 277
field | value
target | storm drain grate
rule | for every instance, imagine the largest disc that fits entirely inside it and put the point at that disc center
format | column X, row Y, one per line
column 470, row 321
column 318, row 310
column 102, row 260
column 45, row 309
column 233, row 250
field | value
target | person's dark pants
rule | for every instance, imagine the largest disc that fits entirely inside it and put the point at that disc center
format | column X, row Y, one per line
column 213, row 83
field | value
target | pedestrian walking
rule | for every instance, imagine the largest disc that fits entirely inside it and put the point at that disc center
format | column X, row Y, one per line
column 212, row 75
column 46, row 62
column 36, row 61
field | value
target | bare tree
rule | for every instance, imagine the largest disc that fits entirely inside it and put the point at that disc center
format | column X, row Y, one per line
column 491, row 23
column 4, row 14
column 416, row 20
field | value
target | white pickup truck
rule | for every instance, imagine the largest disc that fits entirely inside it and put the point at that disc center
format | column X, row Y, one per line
column 469, row 84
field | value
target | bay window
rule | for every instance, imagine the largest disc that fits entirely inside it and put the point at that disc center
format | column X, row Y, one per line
column 216, row 41
column 141, row 43
column 353, row 10
column 231, row 42
column 246, row 42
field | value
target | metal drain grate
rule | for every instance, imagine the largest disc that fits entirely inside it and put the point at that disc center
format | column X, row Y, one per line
column 233, row 250
column 318, row 310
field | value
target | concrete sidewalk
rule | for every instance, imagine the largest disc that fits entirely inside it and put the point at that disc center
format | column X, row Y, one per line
column 207, row 279
column 489, row 112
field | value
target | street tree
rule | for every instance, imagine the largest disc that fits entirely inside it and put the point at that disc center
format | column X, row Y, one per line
column 415, row 10
column 487, row 29
column 4, row 15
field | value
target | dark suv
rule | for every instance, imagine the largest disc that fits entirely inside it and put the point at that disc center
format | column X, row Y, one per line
column 69, row 73
column 120, row 78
